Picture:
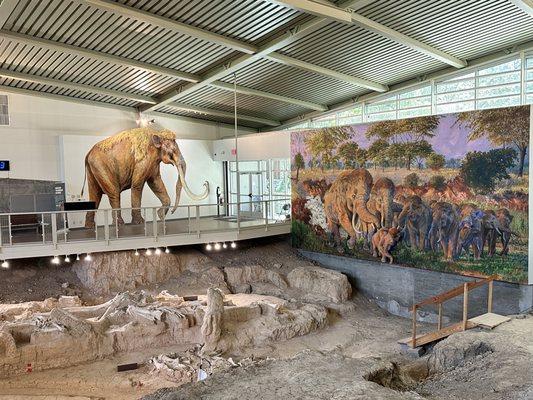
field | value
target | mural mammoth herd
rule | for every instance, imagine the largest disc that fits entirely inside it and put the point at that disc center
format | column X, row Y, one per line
column 368, row 210
column 448, row 193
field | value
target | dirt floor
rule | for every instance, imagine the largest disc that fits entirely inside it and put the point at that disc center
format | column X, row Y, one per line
column 337, row 362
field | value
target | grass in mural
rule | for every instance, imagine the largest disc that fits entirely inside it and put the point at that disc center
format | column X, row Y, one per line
column 511, row 267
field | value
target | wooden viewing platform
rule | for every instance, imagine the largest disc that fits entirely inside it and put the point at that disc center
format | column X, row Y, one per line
column 488, row 320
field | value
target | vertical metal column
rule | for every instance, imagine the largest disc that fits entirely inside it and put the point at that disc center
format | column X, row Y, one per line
column 237, row 155
column 54, row 229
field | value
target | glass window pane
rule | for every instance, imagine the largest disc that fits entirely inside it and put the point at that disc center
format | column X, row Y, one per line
column 414, row 112
column 498, row 102
column 499, row 79
column 323, row 123
column 458, row 96
column 529, row 99
column 382, row 116
column 423, row 91
column 513, row 65
column 445, row 87
column 529, row 87
column 351, row 112
column 380, row 107
column 455, row 107
column 529, row 62
column 350, row 121
column 420, row 101
column 499, row 91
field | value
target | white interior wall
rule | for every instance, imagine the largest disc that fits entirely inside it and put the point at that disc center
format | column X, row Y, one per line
column 31, row 141
column 261, row 146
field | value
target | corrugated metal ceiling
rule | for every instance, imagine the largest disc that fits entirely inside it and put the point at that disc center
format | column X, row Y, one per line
column 463, row 28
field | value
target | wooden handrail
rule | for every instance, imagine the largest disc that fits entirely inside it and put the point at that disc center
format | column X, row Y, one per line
column 464, row 289
column 450, row 294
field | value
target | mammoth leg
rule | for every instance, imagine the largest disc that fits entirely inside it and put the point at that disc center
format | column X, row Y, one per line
column 136, row 197
column 346, row 222
column 506, row 237
column 95, row 194
column 158, row 187
column 114, row 200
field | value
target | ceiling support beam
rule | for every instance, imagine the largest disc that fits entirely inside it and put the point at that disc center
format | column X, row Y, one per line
column 229, row 68
column 407, row 41
column 319, row 9
column 338, row 14
column 167, row 23
column 78, row 51
column 293, row 62
column 75, row 86
column 95, row 55
column 259, row 93
column 525, row 5
column 223, row 114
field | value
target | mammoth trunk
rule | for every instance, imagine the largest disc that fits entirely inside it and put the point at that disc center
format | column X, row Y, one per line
column 365, row 215
column 182, row 183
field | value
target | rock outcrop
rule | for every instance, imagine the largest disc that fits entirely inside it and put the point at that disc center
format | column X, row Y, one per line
column 328, row 284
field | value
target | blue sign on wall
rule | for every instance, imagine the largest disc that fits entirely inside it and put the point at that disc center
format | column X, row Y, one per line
column 4, row 165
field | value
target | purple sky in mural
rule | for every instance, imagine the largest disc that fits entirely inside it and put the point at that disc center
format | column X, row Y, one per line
column 450, row 140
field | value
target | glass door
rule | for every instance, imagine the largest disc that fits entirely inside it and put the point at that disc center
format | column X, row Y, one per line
column 251, row 191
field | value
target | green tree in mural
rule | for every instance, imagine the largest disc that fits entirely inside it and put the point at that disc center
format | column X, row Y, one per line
column 396, row 154
column 377, row 153
column 411, row 132
column 299, row 163
column 361, row 156
column 481, row 170
column 502, row 126
column 323, row 143
column 435, row 161
column 347, row 152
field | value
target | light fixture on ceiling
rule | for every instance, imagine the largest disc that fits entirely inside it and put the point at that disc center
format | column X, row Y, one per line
column 67, row 259
column 224, row 245
column 233, row 245
column 55, row 260
column 88, row 257
column 5, row 264
column 148, row 252
column 208, row 247
column 157, row 251
column 217, row 246
column 77, row 257
column 167, row 250
column 137, row 252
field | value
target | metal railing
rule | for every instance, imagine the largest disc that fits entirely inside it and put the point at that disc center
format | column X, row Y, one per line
column 59, row 227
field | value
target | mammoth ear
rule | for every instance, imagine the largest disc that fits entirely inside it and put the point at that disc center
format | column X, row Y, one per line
column 156, row 141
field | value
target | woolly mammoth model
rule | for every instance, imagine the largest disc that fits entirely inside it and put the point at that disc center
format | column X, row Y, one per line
column 445, row 229
column 345, row 203
column 130, row 159
column 381, row 202
column 415, row 217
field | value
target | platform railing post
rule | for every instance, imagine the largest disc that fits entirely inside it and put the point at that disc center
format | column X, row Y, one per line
column 145, row 223
column 9, row 230
column 198, row 221
column 164, row 219
column 115, row 216
column 65, row 216
column 154, row 223
column 1, row 229
column 43, row 231
column 106, row 225
column 413, row 341
column 489, row 301
column 266, row 215
column 189, row 220
column 54, row 229
column 465, row 306
column 439, row 324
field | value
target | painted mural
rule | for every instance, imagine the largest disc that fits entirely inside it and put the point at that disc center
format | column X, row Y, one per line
column 447, row 192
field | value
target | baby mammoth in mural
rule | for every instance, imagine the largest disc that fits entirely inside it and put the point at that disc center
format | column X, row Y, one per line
column 505, row 218
column 346, row 201
column 130, row 159
column 471, row 230
column 444, row 230
column 384, row 241
column 381, row 202
column 415, row 218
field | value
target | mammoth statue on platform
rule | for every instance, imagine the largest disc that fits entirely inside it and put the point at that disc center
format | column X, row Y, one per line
column 130, row 159
column 345, row 203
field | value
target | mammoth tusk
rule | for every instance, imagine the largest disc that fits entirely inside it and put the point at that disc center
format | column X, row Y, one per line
column 499, row 232
column 188, row 190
